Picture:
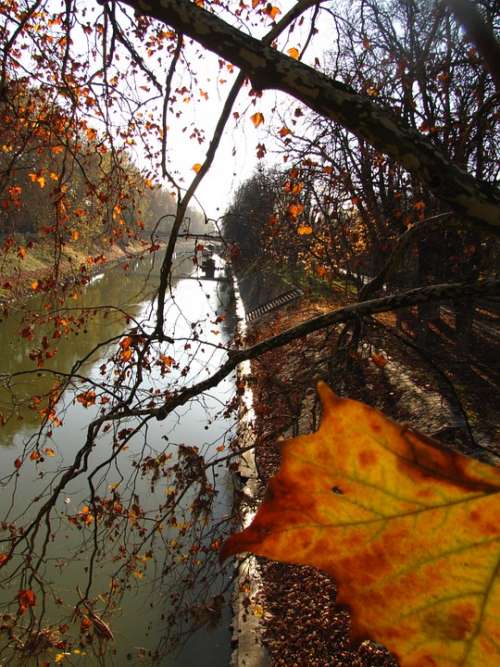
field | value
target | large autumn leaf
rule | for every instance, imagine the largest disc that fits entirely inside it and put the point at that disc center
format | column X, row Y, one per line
column 409, row 530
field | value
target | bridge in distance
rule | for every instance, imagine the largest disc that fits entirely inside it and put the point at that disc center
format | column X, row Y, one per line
column 197, row 237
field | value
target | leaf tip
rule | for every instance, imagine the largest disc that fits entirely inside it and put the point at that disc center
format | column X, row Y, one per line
column 326, row 394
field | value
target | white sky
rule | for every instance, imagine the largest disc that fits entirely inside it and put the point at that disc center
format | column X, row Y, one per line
column 236, row 158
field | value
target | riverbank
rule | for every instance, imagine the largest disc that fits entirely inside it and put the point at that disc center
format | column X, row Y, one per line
column 27, row 269
column 300, row 622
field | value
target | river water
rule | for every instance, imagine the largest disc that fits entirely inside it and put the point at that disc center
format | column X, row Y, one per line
column 142, row 617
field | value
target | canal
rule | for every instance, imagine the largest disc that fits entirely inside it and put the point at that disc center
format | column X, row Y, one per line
column 139, row 584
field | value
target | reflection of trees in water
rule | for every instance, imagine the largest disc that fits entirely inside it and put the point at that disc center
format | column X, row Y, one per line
column 171, row 483
column 91, row 320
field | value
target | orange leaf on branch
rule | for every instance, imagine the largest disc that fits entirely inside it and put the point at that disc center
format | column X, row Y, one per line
column 304, row 230
column 379, row 360
column 86, row 398
column 257, row 118
column 26, row 598
column 37, row 178
column 406, row 528
column 272, row 11
column 294, row 210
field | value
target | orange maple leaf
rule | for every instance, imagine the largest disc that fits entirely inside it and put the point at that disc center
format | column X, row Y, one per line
column 257, row 118
column 293, row 53
column 408, row 529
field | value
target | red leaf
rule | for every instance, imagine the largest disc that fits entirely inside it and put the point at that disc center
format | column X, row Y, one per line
column 26, row 598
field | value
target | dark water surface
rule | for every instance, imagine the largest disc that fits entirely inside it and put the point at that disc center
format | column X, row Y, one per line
column 139, row 623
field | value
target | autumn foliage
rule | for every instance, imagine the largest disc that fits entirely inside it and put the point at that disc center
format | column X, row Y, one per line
column 406, row 528
column 391, row 132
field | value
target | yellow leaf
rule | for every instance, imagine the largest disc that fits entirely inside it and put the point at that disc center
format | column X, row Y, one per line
column 408, row 529
column 37, row 178
column 304, row 230
column 75, row 235
column 258, row 610
column 196, row 167
column 257, row 118
column 48, row 451
column 293, row 53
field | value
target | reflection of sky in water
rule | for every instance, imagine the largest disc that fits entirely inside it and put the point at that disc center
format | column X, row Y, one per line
column 191, row 301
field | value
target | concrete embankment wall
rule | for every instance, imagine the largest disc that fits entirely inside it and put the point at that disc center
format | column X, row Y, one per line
column 248, row 649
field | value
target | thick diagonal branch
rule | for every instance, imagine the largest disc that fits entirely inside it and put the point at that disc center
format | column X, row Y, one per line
column 270, row 69
column 413, row 297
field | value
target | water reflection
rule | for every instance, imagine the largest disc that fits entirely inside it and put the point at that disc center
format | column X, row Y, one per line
column 200, row 315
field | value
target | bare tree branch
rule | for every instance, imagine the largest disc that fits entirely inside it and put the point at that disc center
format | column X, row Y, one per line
column 405, row 299
column 480, row 34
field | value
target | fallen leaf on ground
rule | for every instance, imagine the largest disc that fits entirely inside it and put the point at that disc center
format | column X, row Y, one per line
column 408, row 529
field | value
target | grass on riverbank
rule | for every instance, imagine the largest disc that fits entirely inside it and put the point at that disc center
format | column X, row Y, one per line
column 25, row 264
